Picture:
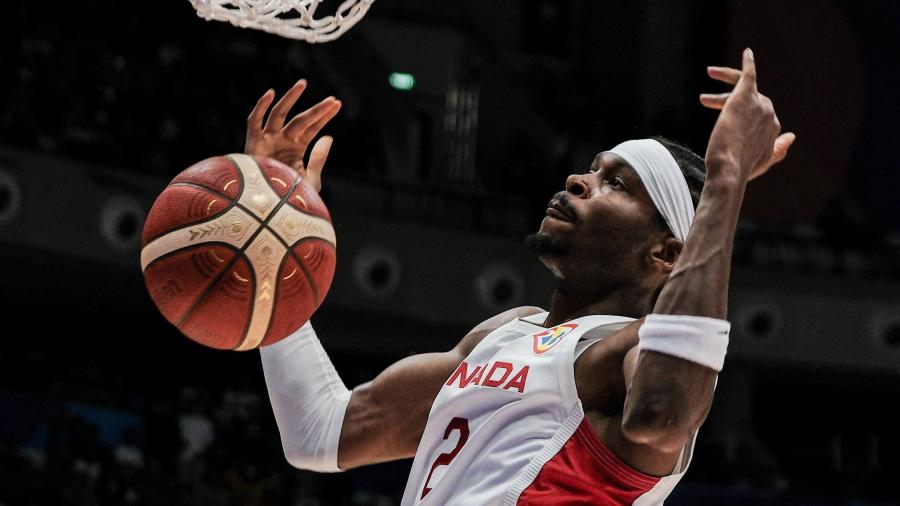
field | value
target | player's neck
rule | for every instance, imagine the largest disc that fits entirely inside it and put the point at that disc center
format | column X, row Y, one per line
column 566, row 305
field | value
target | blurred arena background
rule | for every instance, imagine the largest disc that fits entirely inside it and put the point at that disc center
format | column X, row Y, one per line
column 460, row 119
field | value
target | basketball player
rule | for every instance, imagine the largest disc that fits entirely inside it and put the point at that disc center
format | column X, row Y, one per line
column 597, row 400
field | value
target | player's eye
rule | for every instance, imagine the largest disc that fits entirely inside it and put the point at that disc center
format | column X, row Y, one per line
column 616, row 182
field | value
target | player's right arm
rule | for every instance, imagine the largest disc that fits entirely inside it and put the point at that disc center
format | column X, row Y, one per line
column 383, row 419
column 325, row 427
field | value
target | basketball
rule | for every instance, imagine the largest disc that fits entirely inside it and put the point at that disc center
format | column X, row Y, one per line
column 237, row 252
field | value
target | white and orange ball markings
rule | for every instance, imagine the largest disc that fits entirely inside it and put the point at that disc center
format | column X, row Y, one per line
column 265, row 254
column 235, row 228
column 257, row 195
column 292, row 225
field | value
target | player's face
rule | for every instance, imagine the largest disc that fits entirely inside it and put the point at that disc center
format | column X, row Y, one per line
column 603, row 223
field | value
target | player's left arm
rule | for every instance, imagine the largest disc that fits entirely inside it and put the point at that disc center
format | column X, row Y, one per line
column 667, row 398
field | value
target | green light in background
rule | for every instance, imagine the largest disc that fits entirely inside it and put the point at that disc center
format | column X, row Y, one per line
column 402, row 81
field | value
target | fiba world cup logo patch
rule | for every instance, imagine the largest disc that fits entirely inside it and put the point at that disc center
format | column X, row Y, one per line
column 549, row 338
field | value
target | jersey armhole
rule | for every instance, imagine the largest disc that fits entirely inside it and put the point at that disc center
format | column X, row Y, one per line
column 583, row 346
column 604, row 330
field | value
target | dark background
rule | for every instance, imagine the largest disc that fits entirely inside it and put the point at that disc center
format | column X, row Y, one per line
column 432, row 191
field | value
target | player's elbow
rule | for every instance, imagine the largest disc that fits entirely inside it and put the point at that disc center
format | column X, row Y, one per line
column 310, row 440
column 297, row 457
column 301, row 455
column 656, row 421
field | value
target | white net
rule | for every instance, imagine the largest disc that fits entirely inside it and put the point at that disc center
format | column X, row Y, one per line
column 294, row 19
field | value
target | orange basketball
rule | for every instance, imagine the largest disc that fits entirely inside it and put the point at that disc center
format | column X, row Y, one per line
column 238, row 252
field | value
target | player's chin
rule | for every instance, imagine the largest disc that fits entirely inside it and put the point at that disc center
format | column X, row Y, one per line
column 548, row 245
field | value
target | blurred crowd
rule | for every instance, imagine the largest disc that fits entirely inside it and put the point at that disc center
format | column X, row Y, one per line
column 199, row 449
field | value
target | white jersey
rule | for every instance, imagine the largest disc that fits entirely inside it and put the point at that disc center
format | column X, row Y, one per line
column 508, row 428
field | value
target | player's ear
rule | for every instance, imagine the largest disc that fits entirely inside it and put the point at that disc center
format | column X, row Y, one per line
column 664, row 254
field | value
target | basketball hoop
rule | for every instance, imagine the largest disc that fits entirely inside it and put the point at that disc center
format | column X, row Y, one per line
column 289, row 18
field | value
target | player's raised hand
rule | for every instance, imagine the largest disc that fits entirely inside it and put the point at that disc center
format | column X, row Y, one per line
column 747, row 133
column 287, row 143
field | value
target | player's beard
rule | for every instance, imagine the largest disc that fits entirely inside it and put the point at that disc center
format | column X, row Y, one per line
column 545, row 245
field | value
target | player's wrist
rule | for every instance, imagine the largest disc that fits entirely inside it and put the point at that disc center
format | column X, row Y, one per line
column 698, row 339
column 725, row 187
column 725, row 172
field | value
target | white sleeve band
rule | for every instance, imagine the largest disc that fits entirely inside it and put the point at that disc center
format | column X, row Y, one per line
column 308, row 398
column 697, row 339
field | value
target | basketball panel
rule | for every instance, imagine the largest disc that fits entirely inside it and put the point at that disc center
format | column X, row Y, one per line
column 217, row 173
column 305, row 199
column 179, row 206
column 295, row 302
column 279, row 176
column 220, row 319
column 319, row 259
column 176, row 281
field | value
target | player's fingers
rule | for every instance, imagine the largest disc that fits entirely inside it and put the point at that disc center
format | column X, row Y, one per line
column 313, row 129
column 748, row 73
column 779, row 151
column 724, row 74
column 296, row 128
column 281, row 109
column 782, row 144
column 254, row 121
column 317, row 159
column 714, row 100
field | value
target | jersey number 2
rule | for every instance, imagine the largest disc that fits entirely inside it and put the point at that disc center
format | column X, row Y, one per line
column 444, row 459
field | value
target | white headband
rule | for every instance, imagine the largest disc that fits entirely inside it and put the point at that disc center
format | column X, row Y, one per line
column 664, row 181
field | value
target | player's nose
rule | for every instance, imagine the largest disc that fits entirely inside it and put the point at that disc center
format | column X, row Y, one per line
column 577, row 185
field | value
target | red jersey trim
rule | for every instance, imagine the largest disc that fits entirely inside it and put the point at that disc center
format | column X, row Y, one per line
column 584, row 471
column 610, row 461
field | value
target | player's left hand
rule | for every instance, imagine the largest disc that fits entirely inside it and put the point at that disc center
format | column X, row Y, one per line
column 717, row 101
column 287, row 143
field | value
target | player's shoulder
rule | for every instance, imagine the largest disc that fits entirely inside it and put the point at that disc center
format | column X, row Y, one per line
column 493, row 323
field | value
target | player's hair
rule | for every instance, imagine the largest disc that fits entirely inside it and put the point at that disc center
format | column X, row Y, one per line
column 692, row 166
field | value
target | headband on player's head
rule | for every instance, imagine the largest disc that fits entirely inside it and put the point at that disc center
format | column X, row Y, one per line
column 664, row 181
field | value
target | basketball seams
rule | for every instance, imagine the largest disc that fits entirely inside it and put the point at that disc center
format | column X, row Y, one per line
column 314, row 238
column 293, row 225
column 234, row 203
column 189, row 248
column 195, row 223
column 314, row 215
column 290, row 247
column 204, row 188
column 240, row 254
column 262, row 262
column 250, row 307
column 295, row 243
column 209, row 288
column 257, row 194
column 268, row 181
column 244, row 227
column 308, row 276
column 240, row 181
column 324, row 216
column 240, row 173
column 276, row 291
column 265, row 226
